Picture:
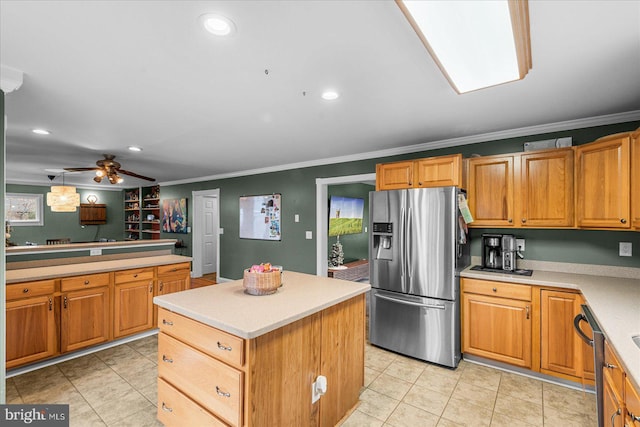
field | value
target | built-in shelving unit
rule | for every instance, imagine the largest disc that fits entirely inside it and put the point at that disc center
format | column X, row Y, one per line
column 142, row 213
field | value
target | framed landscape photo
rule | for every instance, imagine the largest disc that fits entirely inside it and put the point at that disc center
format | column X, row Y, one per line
column 174, row 216
column 23, row 209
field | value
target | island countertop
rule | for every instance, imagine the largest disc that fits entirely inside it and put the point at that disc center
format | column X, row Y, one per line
column 614, row 301
column 227, row 307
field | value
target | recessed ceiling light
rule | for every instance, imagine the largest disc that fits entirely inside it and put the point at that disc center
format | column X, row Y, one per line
column 217, row 25
column 134, row 148
column 41, row 131
column 330, row 95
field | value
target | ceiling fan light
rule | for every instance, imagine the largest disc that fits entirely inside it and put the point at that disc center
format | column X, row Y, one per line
column 119, row 180
column 100, row 172
column 98, row 179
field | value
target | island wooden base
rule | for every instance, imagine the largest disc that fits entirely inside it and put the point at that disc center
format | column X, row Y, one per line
column 276, row 370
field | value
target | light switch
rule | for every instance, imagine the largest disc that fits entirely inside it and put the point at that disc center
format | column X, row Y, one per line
column 626, row 249
column 296, row 218
column 309, row 235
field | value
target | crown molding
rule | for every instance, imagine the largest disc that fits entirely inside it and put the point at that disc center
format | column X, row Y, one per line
column 432, row 145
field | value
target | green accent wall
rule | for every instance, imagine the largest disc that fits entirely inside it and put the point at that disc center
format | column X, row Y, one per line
column 354, row 246
column 298, row 189
column 67, row 224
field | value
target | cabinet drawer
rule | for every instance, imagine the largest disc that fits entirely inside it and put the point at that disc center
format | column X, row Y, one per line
column 221, row 345
column 176, row 409
column 174, row 268
column 30, row 289
column 612, row 368
column 212, row 384
column 497, row 289
column 86, row 281
column 134, row 274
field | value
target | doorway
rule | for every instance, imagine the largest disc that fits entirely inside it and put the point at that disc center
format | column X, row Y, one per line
column 206, row 236
column 322, row 218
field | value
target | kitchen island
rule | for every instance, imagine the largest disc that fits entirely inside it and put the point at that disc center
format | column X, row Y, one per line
column 228, row 358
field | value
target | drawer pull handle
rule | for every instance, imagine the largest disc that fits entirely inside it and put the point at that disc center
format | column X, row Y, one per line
column 224, row 347
column 161, row 286
column 495, row 289
column 50, row 304
column 86, row 282
column 634, row 417
column 527, row 312
column 222, row 393
column 135, row 275
column 167, row 322
column 65, row 302
column 25, row 290
column 166, row 408
column 166, row 359
column 624, row 221
column 610, row 366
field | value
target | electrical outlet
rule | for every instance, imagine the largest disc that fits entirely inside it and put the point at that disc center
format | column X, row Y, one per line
column 626, row 249
column 520, row 245
column 94, row 252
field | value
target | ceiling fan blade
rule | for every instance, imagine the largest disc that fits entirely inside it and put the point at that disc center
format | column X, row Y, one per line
column 135, row 175
column 81, row 169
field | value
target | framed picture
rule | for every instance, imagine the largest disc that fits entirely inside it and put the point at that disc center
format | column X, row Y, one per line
column 174, row 216
column 260, row 217
column 23, row 209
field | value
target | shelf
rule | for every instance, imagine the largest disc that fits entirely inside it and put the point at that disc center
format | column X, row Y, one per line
column 151, row 222
column 151, row 231
column 151, row 208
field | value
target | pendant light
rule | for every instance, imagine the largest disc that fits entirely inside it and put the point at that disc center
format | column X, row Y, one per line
column 63, row 198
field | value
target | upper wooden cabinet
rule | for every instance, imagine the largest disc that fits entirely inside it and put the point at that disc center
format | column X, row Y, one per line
column 603, row 181
column 93, row 214
column 533, row 189
column 544, row 194
column 635, row 178
column 490, row 190
column 440, row 171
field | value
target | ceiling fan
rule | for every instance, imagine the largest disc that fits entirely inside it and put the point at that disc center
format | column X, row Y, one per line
column 110, row 169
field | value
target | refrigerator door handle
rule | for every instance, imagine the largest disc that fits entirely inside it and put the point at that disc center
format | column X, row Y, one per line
column 403, row 245
column 417, row 304
column 407, row 241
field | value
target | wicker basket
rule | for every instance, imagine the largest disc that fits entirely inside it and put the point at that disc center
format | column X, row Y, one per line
column 261, row 283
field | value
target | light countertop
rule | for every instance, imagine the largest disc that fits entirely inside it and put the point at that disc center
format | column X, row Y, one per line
column 225, row 306
column 72, row 247
column 615, row 302
column 51, row 272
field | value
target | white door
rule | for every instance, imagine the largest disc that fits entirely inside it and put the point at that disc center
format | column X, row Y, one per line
column 209, row 235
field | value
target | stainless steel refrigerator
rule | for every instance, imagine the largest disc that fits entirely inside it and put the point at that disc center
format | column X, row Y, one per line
column 417, row 248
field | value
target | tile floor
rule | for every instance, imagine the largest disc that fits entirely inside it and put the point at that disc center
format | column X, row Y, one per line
column 117, row 387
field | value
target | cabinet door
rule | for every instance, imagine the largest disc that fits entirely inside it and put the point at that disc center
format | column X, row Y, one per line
column 133, row 307
column 35, row 315
column 603, row 183
column 394, row 176
column 562, row 350
column 85, row 318
column 441, row 171
column 490, row 191
column 635, row 178
column 497, row 328
column 612, row 406
column 632, row 401
column 170, row 283
column 546, row 189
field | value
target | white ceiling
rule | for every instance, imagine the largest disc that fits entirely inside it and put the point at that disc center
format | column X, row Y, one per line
column 103, row 75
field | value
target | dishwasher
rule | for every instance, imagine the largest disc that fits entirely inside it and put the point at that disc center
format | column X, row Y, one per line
column 597, row 342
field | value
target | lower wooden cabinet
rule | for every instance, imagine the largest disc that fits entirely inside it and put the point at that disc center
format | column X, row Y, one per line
column 48, row 317
column 562, row 351
column 632, row 405
column 496, row 321
column 133, row 308
column 31, row 330
column 84, row 318
column 174, row 408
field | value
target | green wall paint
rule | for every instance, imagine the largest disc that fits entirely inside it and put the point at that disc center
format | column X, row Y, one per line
column 298, row 189
column 67, row 224
column 354, row 246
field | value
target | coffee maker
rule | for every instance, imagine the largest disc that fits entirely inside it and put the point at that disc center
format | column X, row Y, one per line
column 499, row 251
column 492, row 251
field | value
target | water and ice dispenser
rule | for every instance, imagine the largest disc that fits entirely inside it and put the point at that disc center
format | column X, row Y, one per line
column 382, row 240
